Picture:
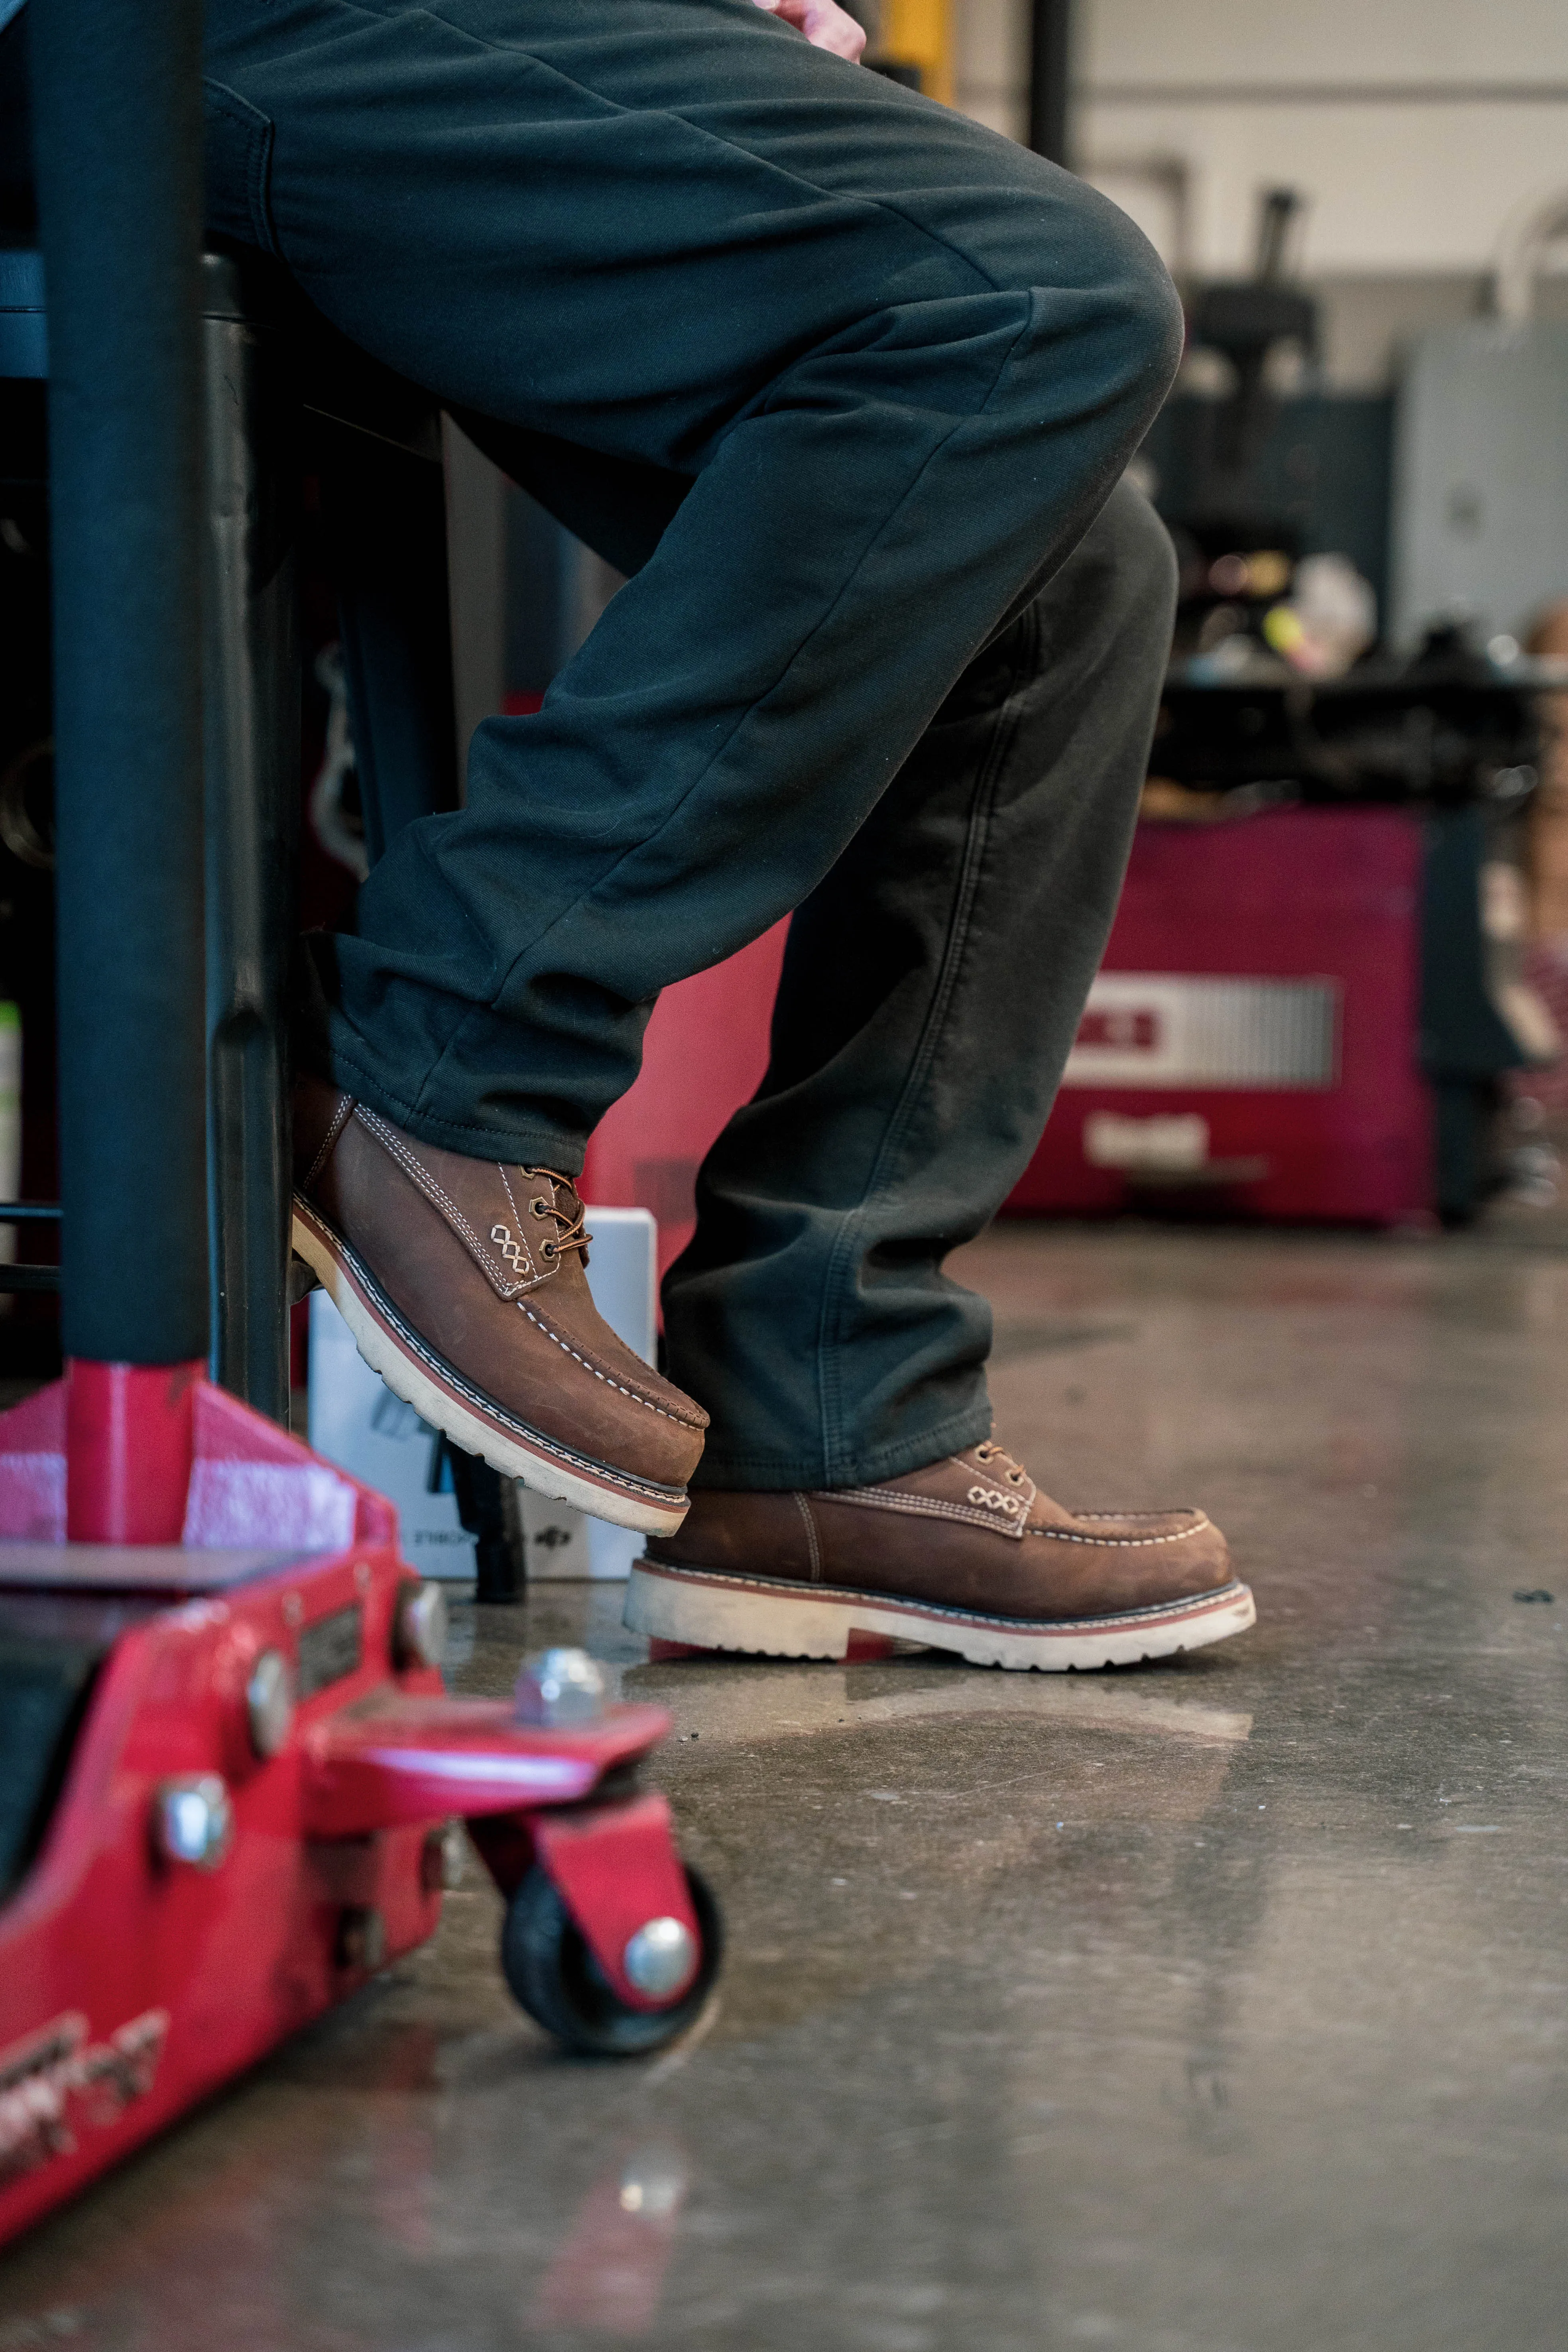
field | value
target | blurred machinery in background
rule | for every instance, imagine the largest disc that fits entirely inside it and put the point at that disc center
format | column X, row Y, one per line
column 1300, row 1015
column 1312, row 999
column 1311, row 995
column 1480, row 491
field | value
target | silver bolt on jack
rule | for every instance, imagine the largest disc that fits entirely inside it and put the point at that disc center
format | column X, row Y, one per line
column 557, row 1687
column 270, row 1702
column 193, row 1821
column 422, row 1627
column 660, row 1957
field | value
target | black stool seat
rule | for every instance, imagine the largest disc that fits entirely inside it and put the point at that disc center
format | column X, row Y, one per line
column 334, row 377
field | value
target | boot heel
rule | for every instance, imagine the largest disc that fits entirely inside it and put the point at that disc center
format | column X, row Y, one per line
column 699, row 1611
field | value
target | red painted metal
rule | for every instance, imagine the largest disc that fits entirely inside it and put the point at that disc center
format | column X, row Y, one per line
column 1311, row 894
column 1320, row 894
column 399, row 1759
column 703, row 1055
column 129, row 1443
column 613, row 1869
column 605, row 2277
column 131, row 1986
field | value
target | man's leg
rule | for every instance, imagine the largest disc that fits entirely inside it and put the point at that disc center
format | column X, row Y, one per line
column 929, row 998
column 901, row 360
column 931, row 990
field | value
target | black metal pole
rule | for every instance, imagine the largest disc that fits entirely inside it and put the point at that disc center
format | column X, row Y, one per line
column 1050, row 30
column 252, row 821
column 116, row 95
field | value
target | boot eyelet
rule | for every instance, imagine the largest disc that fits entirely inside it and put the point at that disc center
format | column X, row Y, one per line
column 548, row 1249
column 539, row 1205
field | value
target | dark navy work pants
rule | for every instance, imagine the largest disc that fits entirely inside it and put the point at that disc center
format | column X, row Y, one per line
column 846, row 383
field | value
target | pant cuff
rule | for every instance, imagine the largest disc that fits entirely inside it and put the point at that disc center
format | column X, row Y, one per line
column 534, row 1145
column 735, row 1472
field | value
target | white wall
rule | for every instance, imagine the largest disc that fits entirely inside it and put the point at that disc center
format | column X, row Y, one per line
column 991, row 63
column 1415, row 127
column 1268, row 41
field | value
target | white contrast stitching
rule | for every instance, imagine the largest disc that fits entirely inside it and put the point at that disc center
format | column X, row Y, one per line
column 935, row 1506
column 813, row 1546
column 1119, row 1543
column 679, row 1418
column 1202, row 1517
column 434, row 1192
column 428, row 1184
column 517, row 1213
column 341, row 1117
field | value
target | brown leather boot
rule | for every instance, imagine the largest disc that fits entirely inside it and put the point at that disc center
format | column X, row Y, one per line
column 463, row 1284
column 966, row 1554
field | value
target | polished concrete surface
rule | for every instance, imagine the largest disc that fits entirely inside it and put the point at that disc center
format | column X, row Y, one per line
column 1217, row 2006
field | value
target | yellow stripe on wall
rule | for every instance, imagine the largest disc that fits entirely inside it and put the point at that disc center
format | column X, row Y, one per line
column 919, row 32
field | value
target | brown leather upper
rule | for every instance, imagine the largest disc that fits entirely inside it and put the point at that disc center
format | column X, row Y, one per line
column 970, row 1532
column 485, row 1261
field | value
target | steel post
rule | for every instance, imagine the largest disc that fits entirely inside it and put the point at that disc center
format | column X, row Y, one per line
column 116, row 95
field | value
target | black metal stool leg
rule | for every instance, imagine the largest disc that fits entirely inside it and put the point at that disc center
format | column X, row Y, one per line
column 386, row 540
column 252, row 755
column 385, row 517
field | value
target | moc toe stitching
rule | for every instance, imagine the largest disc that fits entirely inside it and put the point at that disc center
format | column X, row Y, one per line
column 1115, row 1543
column 1198, row 1518
column 683, row 1420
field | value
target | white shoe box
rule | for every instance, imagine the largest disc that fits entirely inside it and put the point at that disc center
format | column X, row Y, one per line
column 356, row 1421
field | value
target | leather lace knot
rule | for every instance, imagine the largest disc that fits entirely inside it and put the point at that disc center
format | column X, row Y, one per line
column 992, row 1454
column 570, row 1233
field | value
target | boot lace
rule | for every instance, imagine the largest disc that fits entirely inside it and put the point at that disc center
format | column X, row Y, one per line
column 993, row 1455
column 570, row 1234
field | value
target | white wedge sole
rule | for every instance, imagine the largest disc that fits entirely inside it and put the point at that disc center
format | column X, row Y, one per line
column 706, row 1611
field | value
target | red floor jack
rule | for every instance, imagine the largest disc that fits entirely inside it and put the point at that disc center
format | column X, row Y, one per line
column 229, row 1773
column 232, row 1779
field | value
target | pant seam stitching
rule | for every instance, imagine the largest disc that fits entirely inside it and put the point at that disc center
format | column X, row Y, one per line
column 549, row 1137
column 642, row 847
column 944, row 1437
column 697, row 131
column 976, row 833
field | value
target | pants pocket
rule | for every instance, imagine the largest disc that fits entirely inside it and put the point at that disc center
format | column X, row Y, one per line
column 238, row 143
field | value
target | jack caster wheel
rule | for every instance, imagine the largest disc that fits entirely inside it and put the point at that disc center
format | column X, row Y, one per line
column 546, row 1961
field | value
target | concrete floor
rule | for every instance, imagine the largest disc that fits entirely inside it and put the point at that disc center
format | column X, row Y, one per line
column 1211, row 2006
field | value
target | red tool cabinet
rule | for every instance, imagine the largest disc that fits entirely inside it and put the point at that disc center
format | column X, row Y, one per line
column 1251, row 1039
column 1253, row 1032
